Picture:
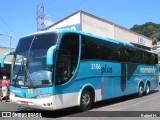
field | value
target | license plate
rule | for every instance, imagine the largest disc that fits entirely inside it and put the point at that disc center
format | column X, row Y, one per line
column 24, row 103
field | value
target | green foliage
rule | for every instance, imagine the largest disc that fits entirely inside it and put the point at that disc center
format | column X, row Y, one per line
column 149, row 29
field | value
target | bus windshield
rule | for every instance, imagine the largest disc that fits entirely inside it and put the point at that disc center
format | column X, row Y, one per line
column 29, row 68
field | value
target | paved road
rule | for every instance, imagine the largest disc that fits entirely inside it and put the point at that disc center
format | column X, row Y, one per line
column 131, row 106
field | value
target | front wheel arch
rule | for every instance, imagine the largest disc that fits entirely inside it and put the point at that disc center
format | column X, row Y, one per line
column 89, row 94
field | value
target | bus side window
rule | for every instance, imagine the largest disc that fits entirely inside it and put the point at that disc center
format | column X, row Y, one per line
column 152, row 59
column 67, row 58
column 63, row 66
column 73, row 67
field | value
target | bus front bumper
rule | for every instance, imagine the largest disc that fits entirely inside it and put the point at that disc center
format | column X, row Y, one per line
column 38, row 103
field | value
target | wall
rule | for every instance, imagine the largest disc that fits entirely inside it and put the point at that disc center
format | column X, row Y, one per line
column 129, row 36
column 105, row 28
column 97, row 27
column 72, row 22
column 91, row 24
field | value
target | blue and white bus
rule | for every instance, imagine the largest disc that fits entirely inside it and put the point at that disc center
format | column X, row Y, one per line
column 6, row 70
column 62, row 68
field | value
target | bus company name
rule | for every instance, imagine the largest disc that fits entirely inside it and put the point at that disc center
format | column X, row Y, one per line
column 16, row 91
column 147, row 70
column 106, row 69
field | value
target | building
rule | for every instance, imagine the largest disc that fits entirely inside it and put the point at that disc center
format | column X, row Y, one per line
column 86, row 22
column 156, row 48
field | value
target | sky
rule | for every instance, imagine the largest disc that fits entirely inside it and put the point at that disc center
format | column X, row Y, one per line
column 18, row 17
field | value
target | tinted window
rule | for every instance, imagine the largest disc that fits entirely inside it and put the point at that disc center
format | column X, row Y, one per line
column 5, row 71
column 90, row 48
column 93, row 48
column 107, row 50
column 36, row 42
column 67, row 58
column 96, row 49
column 120, row 53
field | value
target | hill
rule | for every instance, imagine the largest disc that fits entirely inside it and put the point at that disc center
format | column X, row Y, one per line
column 149, row 29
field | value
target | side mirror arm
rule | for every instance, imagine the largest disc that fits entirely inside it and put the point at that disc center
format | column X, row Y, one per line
column 5, row 55
column 50, row 53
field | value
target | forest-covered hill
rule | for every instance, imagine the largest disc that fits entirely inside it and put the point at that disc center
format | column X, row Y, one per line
column 149, row 29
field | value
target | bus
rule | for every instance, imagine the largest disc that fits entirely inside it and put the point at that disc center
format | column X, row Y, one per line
column 61, row 68
column 6, row 70
column 159, row 75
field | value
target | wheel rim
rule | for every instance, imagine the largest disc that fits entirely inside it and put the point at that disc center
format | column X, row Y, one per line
column 141, row 89
column 86, row 99
column 147, row 89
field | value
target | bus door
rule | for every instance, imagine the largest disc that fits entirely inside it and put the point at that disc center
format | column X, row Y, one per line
column 127, row 71
column 63, row 67
column 66, row 65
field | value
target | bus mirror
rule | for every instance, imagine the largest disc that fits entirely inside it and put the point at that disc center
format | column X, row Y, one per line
column 4, row 56
column 50, row 54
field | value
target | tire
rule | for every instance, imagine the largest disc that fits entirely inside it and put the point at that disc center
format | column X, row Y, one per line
column 147, row 90
column 86, row 100
column 140, row 90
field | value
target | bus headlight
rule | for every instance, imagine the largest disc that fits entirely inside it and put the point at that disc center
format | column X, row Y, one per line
column 44, row 96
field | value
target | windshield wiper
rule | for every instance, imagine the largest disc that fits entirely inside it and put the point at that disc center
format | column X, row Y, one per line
column 24, row 67
column 19, row 71
column 29, row 77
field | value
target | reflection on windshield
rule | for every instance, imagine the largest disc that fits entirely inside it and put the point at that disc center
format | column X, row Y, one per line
column 31, row 71
column 25, row 69
column 29, row 68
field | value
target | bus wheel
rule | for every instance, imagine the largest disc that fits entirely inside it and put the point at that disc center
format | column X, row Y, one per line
column 86, row 100
column 147, row 90
column 140, row 90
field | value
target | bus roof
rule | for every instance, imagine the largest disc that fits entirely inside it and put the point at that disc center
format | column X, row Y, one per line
column 63, row 31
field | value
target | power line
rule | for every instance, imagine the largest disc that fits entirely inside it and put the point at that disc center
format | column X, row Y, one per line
column 8, row 27
column 3, row 26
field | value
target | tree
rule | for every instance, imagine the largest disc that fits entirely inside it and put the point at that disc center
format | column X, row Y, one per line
column 149, row 29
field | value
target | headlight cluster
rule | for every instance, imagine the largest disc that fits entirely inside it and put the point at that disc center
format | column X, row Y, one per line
column 44, row 96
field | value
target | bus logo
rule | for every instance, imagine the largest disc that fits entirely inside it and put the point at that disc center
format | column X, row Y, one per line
column 30, row 91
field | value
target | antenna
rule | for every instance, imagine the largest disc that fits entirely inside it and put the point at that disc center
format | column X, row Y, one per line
column 40, row 17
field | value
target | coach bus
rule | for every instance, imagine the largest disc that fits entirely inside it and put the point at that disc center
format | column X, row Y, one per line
column 6, row 70
column 56, row 69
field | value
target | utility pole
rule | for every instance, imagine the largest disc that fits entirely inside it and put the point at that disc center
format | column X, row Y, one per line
column 40, row 17
column 10, row 39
